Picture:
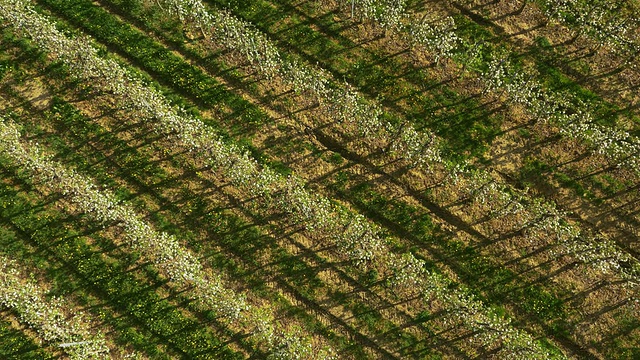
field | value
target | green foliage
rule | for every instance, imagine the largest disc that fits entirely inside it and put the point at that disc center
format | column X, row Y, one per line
column 540, row 303
column 609, row 185
column 5, row 67
column 463, row 122
column 534, row 173
column 15, row 345
column 569, row 182
column 335, row 159
column 417, row 222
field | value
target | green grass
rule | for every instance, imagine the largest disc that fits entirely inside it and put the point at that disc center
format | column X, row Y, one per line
column 15, row 345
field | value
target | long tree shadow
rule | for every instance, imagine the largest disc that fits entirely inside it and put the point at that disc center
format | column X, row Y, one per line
column 545, row 57
column 117, row 302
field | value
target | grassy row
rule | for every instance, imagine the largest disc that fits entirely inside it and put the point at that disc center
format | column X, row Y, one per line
column 543, row 300
column 598, row 189
column 402, row 215
column 520, row 294
column 549, row 61
column 543, row 294
column 158, row 61
column 408, row 91
column 230, row 233
column 574, row 183
column 169, row 70
column 546, row 59
column 499, row 285
column 271, row 16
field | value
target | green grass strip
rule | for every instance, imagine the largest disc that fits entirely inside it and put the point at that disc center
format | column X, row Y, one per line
column 154, row 58
column 14, row 344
